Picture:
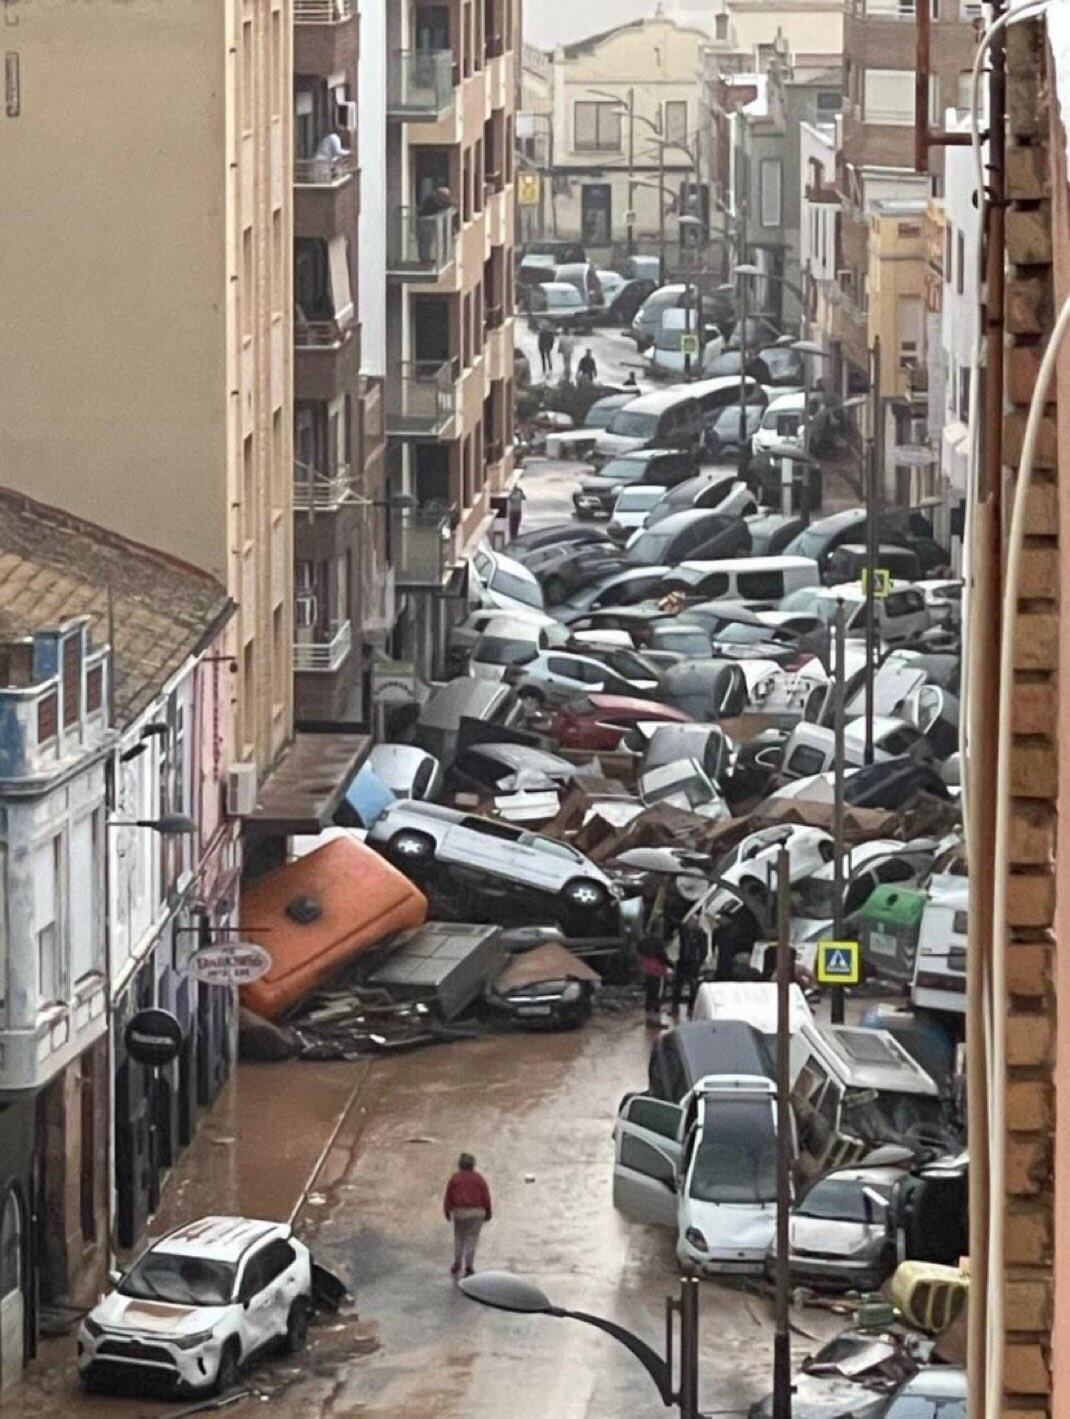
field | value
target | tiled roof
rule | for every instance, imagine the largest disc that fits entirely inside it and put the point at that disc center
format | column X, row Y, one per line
column 153, row 609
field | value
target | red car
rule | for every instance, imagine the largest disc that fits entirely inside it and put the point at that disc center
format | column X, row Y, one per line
column 602, row 721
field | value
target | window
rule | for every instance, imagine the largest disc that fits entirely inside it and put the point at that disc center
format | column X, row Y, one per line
column 771, row 177
column 596, row 127
column 47, row 915
column 676, row 121
column 805, row 761
column 47, row 718
column 72, row 680
column 644, row 1158
column 84, row 929
column 888, row 96
column 960, row 263
column 94, row 689
column 761, row 586
column 654, row 1114
column 964, row 394
column 277, row 1257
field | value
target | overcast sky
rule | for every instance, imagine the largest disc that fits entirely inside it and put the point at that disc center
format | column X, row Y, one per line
column 550, row 22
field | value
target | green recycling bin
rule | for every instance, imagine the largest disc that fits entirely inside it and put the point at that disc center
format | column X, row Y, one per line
column 889, row 925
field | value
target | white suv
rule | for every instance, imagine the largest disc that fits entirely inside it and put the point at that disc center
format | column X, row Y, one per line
column 197, row 1304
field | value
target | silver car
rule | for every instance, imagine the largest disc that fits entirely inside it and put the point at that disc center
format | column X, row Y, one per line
column 417, row 836
column 841, row 1232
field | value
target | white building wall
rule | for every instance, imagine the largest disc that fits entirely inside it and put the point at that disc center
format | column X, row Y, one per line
column 371, row 149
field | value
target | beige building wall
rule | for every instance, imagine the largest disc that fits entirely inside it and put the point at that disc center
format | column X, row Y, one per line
column 896, row 292
column 145, row 365
column 812, row 29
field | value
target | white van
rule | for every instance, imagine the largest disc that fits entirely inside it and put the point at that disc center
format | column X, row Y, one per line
column 504, row 583
column 902, row 615
column 855, row 1090
column 754, row 1002
column 754, row 581
column 811, row 748
column 781, row 423
column 940, row 963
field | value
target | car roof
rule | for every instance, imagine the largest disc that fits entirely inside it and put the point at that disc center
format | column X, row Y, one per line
column 513, row 754
column 661, row 399
column 644, row 455
column 721, row 1047
column 221, row 1238
column 792, row 400
column 777, row 561
column 687, row 517
column 851, row 591
column 936, row 1382
column 515, row 626
column 462, row 696
column 874, row 1059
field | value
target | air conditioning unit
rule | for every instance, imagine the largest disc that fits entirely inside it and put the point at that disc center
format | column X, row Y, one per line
column 305, row 610
column 241, row 790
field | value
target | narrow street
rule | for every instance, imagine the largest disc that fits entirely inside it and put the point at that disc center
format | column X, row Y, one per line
column 538, row 1113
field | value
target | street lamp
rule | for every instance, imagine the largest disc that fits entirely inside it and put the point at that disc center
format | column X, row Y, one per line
column 743, row 269
column 503, row 1291
column 808, row 349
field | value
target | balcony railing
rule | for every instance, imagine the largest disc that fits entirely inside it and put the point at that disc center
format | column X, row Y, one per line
column 420, row 84
column 322, row 334
column 419, row 247
column 324, row 655
column 324, row 172
column 421, row 398
column 316, row 490
column 322, row 12
column 422, row 545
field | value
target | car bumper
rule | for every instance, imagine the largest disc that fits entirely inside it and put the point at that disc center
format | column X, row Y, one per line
column 834, row 1273
column 591, row 504
column 116, row 1360
column 720, row 1262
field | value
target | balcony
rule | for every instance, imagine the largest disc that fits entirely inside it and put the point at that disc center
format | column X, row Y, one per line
column 326, row 356
column 327, row 333
column 324, row 172
column 420, row 86
column 422, row 546
column 326, row 197
column 316, row 651
column 419, row 248
column 325, row 36
column 318, row 491
column 421, row 400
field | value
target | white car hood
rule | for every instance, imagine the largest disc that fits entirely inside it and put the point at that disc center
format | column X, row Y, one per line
column 149, row 1317
column 732, row 1228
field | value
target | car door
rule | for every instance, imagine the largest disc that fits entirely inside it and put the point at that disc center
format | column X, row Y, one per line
column 256, row 1294
column 481, row 843
column 575, row 673
column 646, row 1160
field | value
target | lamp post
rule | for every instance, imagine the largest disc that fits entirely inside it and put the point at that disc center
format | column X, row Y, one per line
column 503, row 1291
column 742, row 272
column 810, row 350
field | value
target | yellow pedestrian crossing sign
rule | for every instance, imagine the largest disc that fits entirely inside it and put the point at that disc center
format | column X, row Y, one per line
column 528, row 189
column 838, row 963
column 882, row 582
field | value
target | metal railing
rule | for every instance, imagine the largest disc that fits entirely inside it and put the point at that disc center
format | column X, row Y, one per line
column 324, row 172
column 324, row 655
column 322, row 12
column 419, row 245
column 322, row 334
column 421, row 398
column 421, row 544
column 314, row 489
column 420, row 84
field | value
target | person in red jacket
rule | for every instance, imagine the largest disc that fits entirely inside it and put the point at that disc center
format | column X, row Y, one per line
column 467, row 1206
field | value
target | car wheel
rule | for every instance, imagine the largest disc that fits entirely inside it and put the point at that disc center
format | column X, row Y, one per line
column 411, row 846
column 530, row 697
column 297, row 1326
column 553, row 588
column 582, row 892
column 226, row 1376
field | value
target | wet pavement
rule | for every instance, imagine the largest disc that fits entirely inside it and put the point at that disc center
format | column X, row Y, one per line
column 538, row 1113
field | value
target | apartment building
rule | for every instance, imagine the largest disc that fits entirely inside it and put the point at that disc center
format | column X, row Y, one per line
column 342, row 582
column 451, row 89
column 146, row 357
column 876, row 149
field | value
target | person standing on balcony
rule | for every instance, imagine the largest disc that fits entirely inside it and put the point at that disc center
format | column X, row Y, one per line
column 430, row 222
column 565, row 347
column 329, row 153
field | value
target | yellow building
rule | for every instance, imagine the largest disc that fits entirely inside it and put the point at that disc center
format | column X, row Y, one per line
column 146, row 354
column 895, row 292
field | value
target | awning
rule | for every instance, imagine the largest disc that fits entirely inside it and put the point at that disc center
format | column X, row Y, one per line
column 304, row 788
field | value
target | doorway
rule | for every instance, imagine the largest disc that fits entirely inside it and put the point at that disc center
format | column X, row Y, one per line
column 596, row 213
column 12, row 1305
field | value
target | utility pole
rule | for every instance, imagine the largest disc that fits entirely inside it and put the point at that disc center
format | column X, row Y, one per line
column 784, row 972
column 741, row 305
column 631, row 172
column 837, row 800
column 687, row 1399
column 874, row 473
column 687, row 333
column 661, row 193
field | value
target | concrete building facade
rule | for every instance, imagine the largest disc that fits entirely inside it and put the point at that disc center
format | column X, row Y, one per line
column 162, row 406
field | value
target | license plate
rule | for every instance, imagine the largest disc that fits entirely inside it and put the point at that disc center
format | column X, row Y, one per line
column 535, row 1010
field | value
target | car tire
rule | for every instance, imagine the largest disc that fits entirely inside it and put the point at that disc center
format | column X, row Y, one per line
column 553, row 589
column 297, row 1326
column 412, row 846
column 229, row 1361
column 531, row 696
column 581, row 892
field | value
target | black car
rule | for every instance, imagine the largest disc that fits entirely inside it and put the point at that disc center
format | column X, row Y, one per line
column 770, row 532
column 722, row 433
column 706, row 490
column 621, row 310
column 701, row 535
column 552, row 536
column 583, row 566
column 684, row 1055
column 664, row 467
column 896, row 527
column 779, row 366
column 893, row 783
column 546, row 988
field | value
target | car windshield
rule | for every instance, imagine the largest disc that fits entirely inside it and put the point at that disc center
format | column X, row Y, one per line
column 695, row 643
column 497, row 650
column 812, row 602
column 728, row 362
column 623, row 470
column 647, row 549
column 630, row 423
column 735, row 1160
column 738, row 634
column 517, row 588
column 180, row 1280
column 563, row 299
column 880, row 1116
column 814, row 897
column 841, row 1200
column 727, row 421
column 599, row 415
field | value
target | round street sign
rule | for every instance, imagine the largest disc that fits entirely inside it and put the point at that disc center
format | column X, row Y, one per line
column 229, row 963
column 152, row 1037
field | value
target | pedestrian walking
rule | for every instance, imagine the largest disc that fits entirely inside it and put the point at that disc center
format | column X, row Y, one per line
column 654, row 966
column 587, row 370
column 429, row 224
column 546, row 347
column 565, row 346
column 467, row 1206
column 516, row 509
column 690, row 959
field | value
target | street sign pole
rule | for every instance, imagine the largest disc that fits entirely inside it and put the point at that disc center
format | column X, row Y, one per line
column 782, row 1337
column 874, row 472
column 837, row 801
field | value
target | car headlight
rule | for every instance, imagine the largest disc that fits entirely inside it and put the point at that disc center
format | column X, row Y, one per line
column 695, row 1238
column 92, row 1329
column 190, row 1342
column 572, row 991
